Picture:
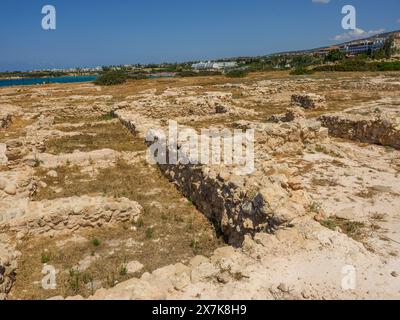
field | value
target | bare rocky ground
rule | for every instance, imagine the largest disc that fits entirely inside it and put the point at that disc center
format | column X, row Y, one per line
column 76, row 192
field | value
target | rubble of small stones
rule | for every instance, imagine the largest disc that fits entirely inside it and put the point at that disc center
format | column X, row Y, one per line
column 290, row 115
column 308, row 101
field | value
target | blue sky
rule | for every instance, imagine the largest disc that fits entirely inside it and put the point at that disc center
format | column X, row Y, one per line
column 102, row 32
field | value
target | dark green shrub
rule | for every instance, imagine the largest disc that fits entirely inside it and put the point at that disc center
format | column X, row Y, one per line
column 236, row 74
column 361, row 65
column 185, row 74
column 301, row 71
column 111, row 78
column 335, row 55
column 96, row 242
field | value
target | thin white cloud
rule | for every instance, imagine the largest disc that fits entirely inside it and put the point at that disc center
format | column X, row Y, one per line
column 321, row 1
column 398, row 20
column 357, row 34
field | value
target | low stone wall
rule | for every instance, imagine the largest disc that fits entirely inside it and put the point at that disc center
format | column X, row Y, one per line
column 237, row 205
column 376, row 128
column 64, row 216
column 234, row 210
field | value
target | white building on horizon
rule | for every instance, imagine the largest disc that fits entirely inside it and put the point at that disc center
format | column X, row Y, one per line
column 214, row 65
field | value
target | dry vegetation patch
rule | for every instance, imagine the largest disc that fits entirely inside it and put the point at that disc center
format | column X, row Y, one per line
column 94, row 137
column 170, row 231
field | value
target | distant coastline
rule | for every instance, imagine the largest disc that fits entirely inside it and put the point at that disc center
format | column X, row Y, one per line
column 19, row 81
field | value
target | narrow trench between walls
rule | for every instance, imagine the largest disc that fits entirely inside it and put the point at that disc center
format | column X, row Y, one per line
column 233, row 212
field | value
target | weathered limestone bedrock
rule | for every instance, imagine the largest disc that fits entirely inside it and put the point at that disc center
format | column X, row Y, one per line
column 3, row 157
column 63, row 216
column 77, row 158
column 377, row 126
column 243, row 205
column 17, row 184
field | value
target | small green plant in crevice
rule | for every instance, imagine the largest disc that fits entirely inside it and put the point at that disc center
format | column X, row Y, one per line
column 123, row 270
column 74, row 280
column 96, row 242
column 329, row 223
column 45, row 258
column 353, row 229
column 107, row 117
column 149, row 233
column 87, row 278
column 195, row 245
column 139, row 223
column 189, row 226
column 111, row 281
column 315, row 207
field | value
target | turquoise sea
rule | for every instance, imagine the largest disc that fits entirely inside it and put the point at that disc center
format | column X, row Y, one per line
column 33, row 81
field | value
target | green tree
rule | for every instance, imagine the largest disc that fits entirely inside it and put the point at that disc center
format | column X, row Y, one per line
column 388, row 48
column 335, row 55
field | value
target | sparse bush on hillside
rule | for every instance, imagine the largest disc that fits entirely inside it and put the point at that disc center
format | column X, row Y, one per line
column 140, row 76
column 301, row 71
column 184, row 74
column 387, row 66
column 236, row 74
column 111, row 78
column 361, row 65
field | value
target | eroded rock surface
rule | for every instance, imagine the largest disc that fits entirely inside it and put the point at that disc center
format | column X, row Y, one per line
column 65, row 215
